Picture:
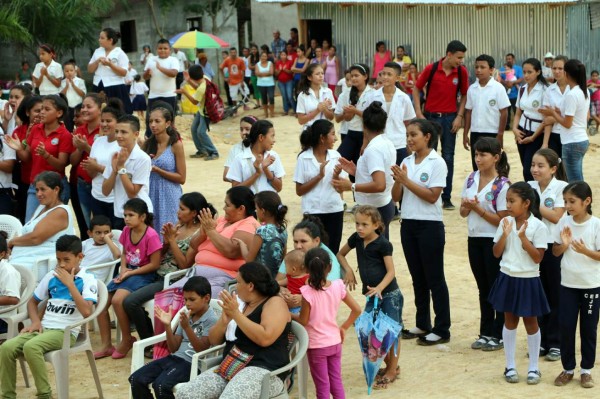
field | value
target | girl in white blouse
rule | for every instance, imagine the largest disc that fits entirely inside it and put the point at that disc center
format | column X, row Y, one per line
column 48, row 74
column 314, row 101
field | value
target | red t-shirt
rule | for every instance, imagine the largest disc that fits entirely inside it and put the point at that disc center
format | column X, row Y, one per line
column 236, row 69
column 292, row 57
column 443, row 88
column 294, row 283
column 90, row 137
column 19, row 133
column 282, row 76
column 59, row 141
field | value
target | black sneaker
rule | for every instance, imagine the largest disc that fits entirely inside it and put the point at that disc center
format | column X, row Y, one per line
column 212, row 157
column 447, row 205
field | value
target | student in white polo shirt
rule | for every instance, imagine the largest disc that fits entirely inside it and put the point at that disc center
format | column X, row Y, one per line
column 315, row 169
column 373, row 180
column 48, row 73
column 258, row 166
column 486, row 109
column 162, row 71
column 128, row 173
column 315, row 101
column 419, row 182
column 550, row 181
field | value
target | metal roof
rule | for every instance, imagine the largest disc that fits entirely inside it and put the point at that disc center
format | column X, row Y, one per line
column 427, row 2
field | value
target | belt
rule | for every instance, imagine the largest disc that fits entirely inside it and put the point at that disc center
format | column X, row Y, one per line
column 530, row 121
column 438, row 114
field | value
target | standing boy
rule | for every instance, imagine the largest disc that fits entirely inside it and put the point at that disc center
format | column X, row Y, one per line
column 74, row 90
column 70, row 293
column 486, row 108
column 235, row 67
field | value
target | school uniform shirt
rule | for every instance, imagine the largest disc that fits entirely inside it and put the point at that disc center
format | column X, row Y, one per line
column 235, row 150
column 578, row 270
column 551, row 198
column 6, row 154
column 530, row 103
column 553, row 98
column 243, row 167
column 55, row 70
column 400, row 109
column 10, row 284
column 102, row 151
column 104, row 73
column 162, row 85
column 379, row 156
column 431, row 172
column 138, row 88
column 307, row 167
column 200, row 327
column 56, row 142
column 485, row 103
column 371, row 266
column 515, row 261
column 477, row 225
column 309, row 102
column 138, row 167
column 61, row 310
column 576, row 105
column 74, row 99
column 356, row 123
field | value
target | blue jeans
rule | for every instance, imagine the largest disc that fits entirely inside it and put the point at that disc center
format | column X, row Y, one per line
column 163, row 374
column 391, row 304
column 448, row 139
column 202, row 141
column 33, row 203
column 287, row 95
column 572, row 156
column 84, row 190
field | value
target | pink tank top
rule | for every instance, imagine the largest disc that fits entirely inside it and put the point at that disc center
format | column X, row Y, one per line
column 331, row 74
column 380, row 62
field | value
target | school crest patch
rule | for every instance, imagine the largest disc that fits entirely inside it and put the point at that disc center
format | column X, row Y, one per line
column 489, row 196
column 492, row 103
column 455, row 81
column 54, row 141
column 535, row 103
column 424, row 177
column 549, row 203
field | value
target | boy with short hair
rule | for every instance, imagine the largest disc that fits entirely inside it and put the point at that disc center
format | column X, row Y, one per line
column 70, row 292
column 100, row 247
column 128, row 173
column 73, row 87
column 190, row 337
column 486, row 109
column 10, row 282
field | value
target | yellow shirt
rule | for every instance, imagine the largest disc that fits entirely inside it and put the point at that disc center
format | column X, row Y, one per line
column 199, row 95
column 405, row 60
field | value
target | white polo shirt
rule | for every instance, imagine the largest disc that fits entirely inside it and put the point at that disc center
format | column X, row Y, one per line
column 322, row 198
column 309, row 102
column 477, row 225
column 551, row 198
column 515, row 261
column 485, row 103
column 6, row 154
column 431, row 172
column 102, row 151
column 242, row 169
column 530, row 103
column 74, row 99
column 356, row 123
column 55, row 70
column 553, row 98
column 379, row 156
column 578, row 270
column 139, row 166
column 104, row 73
column 234, row 151
column 182, row 59
column 162, row 85
column 400, row 110
column 576, row 105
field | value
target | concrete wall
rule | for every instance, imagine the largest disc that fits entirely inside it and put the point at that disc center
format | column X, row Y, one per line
column 266, row 17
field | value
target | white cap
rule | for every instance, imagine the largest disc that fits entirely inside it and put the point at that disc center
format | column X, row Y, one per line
column 548, row 55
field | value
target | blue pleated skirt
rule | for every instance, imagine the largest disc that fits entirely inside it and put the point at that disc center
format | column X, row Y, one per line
column 522, row 297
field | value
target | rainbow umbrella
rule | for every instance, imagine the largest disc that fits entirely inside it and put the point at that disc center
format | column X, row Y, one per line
column 196, row 39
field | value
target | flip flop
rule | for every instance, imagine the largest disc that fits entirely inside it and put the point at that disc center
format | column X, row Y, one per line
column 383, row 383
column 105, row 353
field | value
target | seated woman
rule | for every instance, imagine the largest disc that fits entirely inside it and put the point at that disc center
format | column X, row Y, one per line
column 216, row 255
column 177, row 241
column 50, row 220
column 258, row 331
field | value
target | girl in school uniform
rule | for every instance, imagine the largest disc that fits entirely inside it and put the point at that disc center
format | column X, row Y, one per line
column 528, row 117
column 549, row 174
column 577, row 238
column 245, row 124
column 48, row 74
column 521, row 240
column 258, row 166
column 484, row 205
column 314, row 101
column 419, row 182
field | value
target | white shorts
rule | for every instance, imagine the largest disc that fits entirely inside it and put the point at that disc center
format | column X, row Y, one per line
column 234, row 90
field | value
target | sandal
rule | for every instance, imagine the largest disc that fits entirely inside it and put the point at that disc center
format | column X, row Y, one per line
column 381, row 371
column 383, row 383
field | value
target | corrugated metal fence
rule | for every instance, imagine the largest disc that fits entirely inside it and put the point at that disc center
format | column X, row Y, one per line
column 583, row 43
column 525, row 30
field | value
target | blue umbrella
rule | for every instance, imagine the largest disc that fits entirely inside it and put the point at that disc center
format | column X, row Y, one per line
column 377, row 333
column 174, row 38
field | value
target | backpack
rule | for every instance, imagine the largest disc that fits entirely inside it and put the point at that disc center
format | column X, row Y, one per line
column 214, row 110
column 499, row 182
column 434, row 68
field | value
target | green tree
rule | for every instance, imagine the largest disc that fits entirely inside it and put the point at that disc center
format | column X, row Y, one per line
column 11, row 29
column 214, row 8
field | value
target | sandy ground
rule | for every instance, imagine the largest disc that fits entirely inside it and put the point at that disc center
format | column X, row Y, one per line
column 447, row 371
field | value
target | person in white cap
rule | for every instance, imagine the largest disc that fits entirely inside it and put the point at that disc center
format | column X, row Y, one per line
column 547, row 67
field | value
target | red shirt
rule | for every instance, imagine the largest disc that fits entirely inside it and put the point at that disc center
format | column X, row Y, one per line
column 294, row 283
column 20, row 133
column 282, row 76
column 292, row 57
column 59, row 141
column 90, row 137
column 443, row 88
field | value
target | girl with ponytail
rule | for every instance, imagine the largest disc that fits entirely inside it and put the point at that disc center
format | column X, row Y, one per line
column 314, row 101
column 245, row 124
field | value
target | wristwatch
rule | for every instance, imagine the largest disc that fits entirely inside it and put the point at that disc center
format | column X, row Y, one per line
column 353, row 188
column 122, row 171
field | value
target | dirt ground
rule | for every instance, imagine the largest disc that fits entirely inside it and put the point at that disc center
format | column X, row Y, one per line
column 452, row 370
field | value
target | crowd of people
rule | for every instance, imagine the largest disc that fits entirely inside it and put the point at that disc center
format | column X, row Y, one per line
column 533, row 245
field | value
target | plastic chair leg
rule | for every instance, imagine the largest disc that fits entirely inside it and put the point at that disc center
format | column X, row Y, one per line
column 92, row 361
column 60, row 362
column 303, row 378
column 24, row 370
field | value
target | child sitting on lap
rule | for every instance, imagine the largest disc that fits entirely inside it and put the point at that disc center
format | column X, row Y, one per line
column 296, row 274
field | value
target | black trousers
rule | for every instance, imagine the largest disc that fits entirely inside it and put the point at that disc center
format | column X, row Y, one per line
column 350, row 147
column 526, row 152
column 555, row 144
column 423, row 244
column 550, row 276
column 513, row 109
column 583, row 304
column 485, row 267
column 334, row 224
column 472, row 140
column 133, row 306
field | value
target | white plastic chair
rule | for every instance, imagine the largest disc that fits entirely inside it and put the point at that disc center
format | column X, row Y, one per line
column 11, row 225
column 60, row 358
column 28, row 285
column 116, row 234
column 297, row 359
column 42, row 266
column 109, row 267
